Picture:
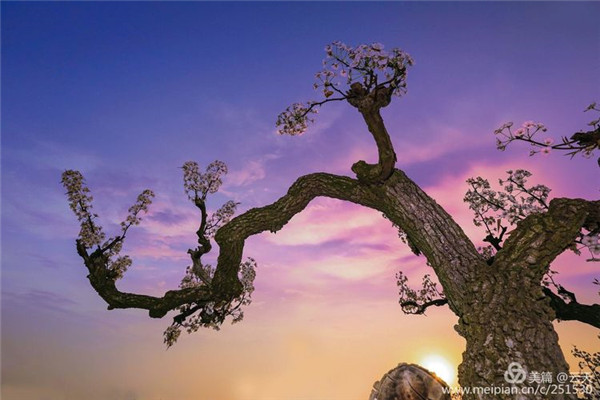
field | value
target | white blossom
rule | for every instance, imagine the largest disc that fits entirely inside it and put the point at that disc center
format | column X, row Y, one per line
column 590, row 240
column 91, row 233
column 520, row 132
column 294, row 120
column 210, row 314
column 198, row 185
column 220, row 217
column 343, row 65
column 80, row 202
column 513, row 203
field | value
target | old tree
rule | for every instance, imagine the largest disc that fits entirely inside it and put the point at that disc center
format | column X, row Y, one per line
column 504, row 309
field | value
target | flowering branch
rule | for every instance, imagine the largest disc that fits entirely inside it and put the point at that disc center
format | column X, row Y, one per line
column 417, row 302
column 588, row 380
column 584, row 143
column 367, row 77
column 515, row 202
column 497, row 210
column 196, row 314
column 196, row 300
column 91, row 234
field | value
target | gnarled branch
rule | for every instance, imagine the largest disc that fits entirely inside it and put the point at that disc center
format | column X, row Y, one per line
column 225, row 284
column 573, row 311
column 369, row 104
column 420, row 308
column 273, row 217
column 540, row 238
column 104, row 284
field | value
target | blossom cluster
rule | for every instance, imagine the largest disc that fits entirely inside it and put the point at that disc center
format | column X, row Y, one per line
column 294, row 120
column 368, row 64
column 80, row 201
column 197, row 275
column 592, row 242
column 211, row 314
column 589, row 363
column 412, row 301
column 197, row 185
column 581, row 142
column 119, row 266
column 526, row 132
column 91, row 233
column 515, row 202
column 142, row 202
column 220, row 217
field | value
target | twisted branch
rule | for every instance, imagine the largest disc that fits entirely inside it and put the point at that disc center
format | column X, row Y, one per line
column 226, row 285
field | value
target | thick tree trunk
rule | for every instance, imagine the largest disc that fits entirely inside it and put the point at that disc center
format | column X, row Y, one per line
column 507, row 321
column 503, row 313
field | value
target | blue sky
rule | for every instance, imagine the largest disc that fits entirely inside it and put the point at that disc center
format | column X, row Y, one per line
column 126, row 92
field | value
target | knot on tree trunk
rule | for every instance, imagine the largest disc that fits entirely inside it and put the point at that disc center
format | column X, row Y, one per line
column 366, row 101
column 369, row 173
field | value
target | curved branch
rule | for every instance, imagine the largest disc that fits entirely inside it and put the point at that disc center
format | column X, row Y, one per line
column 368, row 104
column 225, row 285
column 540, row 238
column 273, row 217
column 420, row 308
column 104, row 284
column 573, row 311
column 432, row 230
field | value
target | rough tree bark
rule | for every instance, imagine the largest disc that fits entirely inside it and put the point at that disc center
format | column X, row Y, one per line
column 502, row 310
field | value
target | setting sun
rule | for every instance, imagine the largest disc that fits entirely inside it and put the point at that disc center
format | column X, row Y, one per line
column 440, row 366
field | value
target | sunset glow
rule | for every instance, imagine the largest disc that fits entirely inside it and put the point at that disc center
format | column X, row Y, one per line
column 126, row 92
column 440, row 366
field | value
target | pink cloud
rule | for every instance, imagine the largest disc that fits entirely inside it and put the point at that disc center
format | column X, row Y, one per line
column 328, row 219
column 446, row 140
column 158, row 249
column 251, row 172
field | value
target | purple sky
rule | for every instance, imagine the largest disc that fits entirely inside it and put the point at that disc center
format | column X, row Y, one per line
column 127, row 92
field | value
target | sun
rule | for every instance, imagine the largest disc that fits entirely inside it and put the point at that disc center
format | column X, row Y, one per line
column 440, row 366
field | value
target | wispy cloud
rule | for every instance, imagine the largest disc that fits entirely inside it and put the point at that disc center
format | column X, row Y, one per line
column 325, row 220
column 251, row 172
column 445, row 140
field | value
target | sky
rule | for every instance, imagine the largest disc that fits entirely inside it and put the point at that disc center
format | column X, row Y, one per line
column 127, row 92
